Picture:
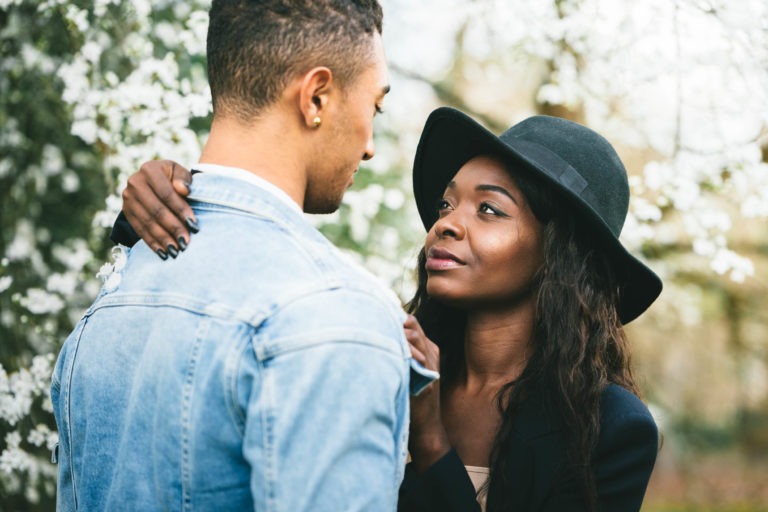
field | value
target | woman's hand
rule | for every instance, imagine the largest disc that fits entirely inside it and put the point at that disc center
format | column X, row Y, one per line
column 428, row 441
column 153, row 203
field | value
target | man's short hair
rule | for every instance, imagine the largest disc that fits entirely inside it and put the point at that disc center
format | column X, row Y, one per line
column 256, row 47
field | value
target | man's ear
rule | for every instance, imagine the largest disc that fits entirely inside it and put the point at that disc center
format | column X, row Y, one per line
column 316, row 87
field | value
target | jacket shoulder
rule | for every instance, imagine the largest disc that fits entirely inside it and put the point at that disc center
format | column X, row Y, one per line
column 626, row 451
column 620, row 408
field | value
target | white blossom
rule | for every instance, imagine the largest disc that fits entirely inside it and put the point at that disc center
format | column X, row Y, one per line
column 74, row 255
column 394, row 199
column 5, row 283
column 41, row 435
column 77, row 16
column 23, row 243
column 727, row 261
column 62, row 283
column 13, row 458
column 41, row 302
column 91, row 51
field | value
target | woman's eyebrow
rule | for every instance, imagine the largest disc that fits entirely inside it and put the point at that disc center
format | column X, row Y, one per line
column 496, row 188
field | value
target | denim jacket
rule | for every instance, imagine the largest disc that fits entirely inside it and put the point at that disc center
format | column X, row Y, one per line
column 258, row 370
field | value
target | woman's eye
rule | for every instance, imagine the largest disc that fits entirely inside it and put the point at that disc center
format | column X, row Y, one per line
column 486, row 208
column 442, row 205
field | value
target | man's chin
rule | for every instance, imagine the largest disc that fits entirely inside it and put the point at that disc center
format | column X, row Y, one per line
column 322, row 207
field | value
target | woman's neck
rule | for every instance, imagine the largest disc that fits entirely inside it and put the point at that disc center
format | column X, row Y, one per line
column 497, row 345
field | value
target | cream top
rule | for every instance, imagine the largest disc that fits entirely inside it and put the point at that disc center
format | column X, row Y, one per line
column 479, row 475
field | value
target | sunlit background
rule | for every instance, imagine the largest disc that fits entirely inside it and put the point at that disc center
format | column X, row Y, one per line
column 90, row 89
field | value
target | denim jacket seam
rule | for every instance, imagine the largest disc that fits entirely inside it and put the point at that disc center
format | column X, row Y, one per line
column 253, row 318
column 245, row 205
column 232, row 372
column 188, row 389
column 336, row 284
column 267, row 426
column 69, row 370
column 358, row 336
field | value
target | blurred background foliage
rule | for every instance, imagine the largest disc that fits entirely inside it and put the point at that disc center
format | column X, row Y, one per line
column 90, row 89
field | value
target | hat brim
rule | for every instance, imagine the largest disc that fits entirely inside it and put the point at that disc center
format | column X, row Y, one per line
column 451, row 138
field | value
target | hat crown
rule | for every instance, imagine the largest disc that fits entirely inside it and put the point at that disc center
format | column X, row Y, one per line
column 589, row 166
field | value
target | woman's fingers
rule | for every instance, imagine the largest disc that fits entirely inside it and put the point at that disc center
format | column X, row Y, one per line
column 156, row 235
column 153, row 204
column 417, row 354
column 170, row 185
column 415, row 334
column 181, row 179
column 419, row 342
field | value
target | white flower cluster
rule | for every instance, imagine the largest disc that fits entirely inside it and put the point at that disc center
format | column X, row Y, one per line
column 701, row 191
column 686, row 84
column 20, row 453
column 144, row 113
column 131, row 99
column 19, row 389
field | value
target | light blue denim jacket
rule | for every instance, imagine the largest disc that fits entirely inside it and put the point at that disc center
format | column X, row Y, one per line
column 258, row 370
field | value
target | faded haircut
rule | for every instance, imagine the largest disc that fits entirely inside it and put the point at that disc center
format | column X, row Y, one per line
column 255, row 48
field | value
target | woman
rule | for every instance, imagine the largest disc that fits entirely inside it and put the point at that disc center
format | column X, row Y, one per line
column 523, row 290
column 524, row 287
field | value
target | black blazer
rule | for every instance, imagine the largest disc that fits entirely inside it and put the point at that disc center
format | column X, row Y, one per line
column 622, row 462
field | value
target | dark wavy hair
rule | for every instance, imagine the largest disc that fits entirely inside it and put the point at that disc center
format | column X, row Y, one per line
column 255, row 48
column 578, row 344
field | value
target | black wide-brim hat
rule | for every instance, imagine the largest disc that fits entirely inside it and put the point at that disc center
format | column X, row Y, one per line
column 579, row 163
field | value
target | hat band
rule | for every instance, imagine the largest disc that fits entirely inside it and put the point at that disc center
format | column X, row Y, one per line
column 557, row 168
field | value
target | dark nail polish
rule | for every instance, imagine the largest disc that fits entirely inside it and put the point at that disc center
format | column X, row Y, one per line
column 182, row 243
column 162, row 254
column 172, row 251
column 192, row 225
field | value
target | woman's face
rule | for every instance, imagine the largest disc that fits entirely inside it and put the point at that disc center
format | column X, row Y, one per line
column 485, row 247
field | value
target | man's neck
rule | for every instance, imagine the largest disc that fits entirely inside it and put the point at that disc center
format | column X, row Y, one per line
column 263, row 148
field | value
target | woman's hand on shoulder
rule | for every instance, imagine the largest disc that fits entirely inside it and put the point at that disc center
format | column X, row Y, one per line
column 422, row 348
column 428, row 440
column 154, row 204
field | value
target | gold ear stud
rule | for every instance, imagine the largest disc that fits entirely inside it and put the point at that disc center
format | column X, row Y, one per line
column 316, row 121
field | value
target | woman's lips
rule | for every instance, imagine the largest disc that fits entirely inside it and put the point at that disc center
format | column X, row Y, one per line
column 440, row 259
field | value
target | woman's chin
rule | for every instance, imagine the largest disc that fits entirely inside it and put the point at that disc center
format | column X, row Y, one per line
column 449, row 298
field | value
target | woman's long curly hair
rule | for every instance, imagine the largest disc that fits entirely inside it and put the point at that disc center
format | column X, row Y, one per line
column 578, row 344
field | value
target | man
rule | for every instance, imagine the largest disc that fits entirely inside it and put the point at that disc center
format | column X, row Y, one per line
column 256, row 370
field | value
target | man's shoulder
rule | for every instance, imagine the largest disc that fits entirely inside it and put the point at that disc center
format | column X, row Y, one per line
column 332, row 314
column 354, row 300
column 336, row 272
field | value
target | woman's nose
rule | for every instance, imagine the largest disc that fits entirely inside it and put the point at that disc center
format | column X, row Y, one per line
column 450, row 225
